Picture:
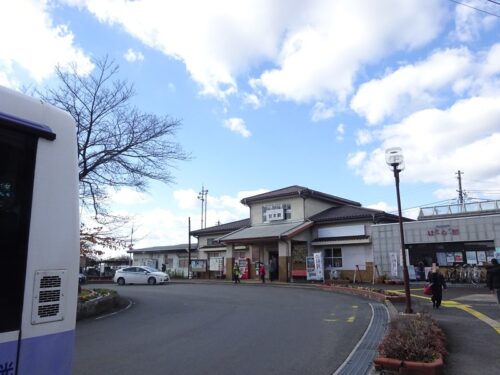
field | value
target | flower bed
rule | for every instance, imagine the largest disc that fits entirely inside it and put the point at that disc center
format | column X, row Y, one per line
column 98, row 301
column 380, row 295
column 414, row 345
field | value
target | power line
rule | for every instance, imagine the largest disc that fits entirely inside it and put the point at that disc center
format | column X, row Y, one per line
column 494, row 2
column 479, row 10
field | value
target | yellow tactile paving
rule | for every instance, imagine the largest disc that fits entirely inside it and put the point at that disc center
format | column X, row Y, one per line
column 457, row 305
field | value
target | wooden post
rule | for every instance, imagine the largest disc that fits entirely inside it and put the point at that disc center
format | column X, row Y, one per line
column 359, row 272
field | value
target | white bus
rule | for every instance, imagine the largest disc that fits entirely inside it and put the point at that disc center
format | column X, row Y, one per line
column 39, row 236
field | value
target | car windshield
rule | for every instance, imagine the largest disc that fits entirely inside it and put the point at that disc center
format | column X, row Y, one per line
column 150, row 269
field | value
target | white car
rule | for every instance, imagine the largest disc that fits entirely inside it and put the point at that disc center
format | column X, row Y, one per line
column 140, row 275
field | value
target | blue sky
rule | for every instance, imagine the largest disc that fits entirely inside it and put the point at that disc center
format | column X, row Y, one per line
column 277, row 93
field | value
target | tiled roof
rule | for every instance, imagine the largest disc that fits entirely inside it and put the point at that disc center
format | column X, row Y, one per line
column 353, row 213
column 222, row 229
column 171, row 248
column 301, row 191
column 266, row 232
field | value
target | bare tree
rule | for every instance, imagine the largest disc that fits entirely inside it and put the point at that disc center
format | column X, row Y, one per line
column 118, row 145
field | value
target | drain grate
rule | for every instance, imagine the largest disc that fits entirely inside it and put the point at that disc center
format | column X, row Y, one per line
column 360, row 360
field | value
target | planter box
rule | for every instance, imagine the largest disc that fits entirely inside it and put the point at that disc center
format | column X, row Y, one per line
column 396, row 299
column 409, row 367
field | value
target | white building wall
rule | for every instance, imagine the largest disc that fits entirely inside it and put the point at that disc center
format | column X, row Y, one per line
column 296, row 205
column 386, row 237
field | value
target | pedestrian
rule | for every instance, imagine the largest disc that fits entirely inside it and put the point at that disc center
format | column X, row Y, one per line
column 262, row 272
column 236, row 273
column 493, row 278
column 272, row 269
column 436, row 279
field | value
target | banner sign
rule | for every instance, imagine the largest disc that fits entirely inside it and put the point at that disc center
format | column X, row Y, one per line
column 216, row 264
column 314, row 267
column 394, row 264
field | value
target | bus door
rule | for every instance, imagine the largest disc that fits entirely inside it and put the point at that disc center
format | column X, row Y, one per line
column 17, row 161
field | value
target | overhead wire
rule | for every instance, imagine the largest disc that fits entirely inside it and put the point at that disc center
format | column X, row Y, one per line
column 479, row 10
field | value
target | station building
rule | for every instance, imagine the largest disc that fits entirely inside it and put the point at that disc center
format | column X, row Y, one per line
column 286, row 226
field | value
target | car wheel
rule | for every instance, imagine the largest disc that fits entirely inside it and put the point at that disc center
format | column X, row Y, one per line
column 121, row 281
column 151, row 281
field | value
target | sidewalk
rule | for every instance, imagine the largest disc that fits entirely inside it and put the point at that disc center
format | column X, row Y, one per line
column 470, row 318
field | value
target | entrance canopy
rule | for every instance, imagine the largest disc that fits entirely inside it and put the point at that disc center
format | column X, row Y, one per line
column 267, row 232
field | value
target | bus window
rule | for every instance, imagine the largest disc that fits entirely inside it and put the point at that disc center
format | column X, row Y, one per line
column 17, row 161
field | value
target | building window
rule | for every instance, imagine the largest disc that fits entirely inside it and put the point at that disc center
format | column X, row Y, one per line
column 211, row 241
column 183, row 262
column 276, row 212
column 333, row 258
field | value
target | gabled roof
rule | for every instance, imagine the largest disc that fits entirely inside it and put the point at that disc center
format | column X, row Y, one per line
column 300, row 191
column 354, row 213
column 266, row 232
column 222, row 229
column 162, row 249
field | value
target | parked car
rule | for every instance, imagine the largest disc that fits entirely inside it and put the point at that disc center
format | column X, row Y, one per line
column 140, row 275
column 82, row 279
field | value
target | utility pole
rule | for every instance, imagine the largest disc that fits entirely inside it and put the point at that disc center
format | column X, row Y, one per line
column 189, row 248
column 202, row 195
column 131, row 246
column 460, row 191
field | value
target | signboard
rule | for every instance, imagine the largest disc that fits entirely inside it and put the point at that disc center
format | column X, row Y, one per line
column 318, row 265
column 443, row 230
column 198, row 265
column 442, row 259
column 314, row 267
column 411, row 272
column 471, row 257
column 243, row 265
column 393, row 257
column 216, row 264
column 481, row 257
column 459, row 258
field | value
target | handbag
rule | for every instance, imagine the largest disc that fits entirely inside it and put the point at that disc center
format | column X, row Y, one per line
column 428, row 290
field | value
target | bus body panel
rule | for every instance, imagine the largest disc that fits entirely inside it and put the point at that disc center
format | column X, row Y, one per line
column 46, row 339
column 47, row 354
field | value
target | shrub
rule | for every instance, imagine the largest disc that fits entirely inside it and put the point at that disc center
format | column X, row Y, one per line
column 413, row 338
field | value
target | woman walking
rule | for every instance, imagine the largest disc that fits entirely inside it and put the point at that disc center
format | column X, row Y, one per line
column 437, row 285
column 262, row 272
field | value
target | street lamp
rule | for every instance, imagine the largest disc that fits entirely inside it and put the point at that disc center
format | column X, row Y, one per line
column 394, row 158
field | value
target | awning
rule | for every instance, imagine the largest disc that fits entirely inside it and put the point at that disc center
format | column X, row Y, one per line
column 266, row 232
column 351, row 240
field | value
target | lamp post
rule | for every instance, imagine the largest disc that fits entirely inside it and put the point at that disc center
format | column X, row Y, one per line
column 394, row 158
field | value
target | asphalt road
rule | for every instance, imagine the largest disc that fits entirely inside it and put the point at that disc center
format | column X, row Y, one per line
column 222, row 329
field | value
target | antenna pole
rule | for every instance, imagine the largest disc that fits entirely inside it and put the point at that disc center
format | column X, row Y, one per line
column 460, row 191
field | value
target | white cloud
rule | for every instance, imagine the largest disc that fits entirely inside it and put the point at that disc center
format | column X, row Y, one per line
column 317, row 60
column 32, row 42
column 160, row 226
column 412, row 87
column 252, row 100
column 133, row 56
column 128, row 196
column 305, row 42
column 470, row 22
column 436, row 143
column 322, row 111
column 186, row 199
column 237, row 125
column 340, row 132
column 363, row 137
